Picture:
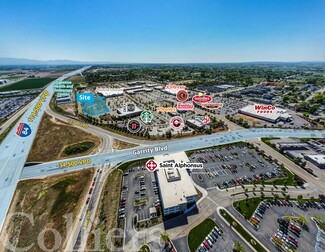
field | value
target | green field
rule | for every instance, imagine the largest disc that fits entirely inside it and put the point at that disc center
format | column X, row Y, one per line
column 79, row 148
column 35, row 83
column 198, row 234
column 247, row 207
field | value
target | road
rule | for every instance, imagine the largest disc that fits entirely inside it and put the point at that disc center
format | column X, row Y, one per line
column 52, row 168
column 14, row 149
column 14, row 117
column 107, row 139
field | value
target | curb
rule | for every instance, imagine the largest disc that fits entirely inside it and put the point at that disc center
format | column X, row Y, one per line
column 232, row 228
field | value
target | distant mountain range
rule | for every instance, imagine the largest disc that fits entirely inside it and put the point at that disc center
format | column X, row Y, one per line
column 26, row 62
column 18, row 61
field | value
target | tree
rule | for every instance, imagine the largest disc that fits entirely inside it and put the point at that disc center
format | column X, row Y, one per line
column 302, row 219
column 300, row 199
column 238, row 247
column 164, row 236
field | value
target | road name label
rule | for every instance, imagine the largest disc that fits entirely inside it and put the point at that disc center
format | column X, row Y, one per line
column 150, row 150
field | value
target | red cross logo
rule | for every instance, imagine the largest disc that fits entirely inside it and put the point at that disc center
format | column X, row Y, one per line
column 151, row 165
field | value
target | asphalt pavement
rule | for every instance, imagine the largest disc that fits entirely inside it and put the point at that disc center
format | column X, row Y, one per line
column 52, row 168
column 14, row 149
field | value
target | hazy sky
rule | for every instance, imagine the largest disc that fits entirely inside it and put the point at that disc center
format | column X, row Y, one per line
column 163, row 30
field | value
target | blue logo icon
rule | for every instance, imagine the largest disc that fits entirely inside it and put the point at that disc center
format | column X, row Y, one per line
column 23, row 130
column 85, row 97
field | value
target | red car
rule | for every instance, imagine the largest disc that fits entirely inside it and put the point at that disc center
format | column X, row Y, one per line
column 206, row 244
column 87, row 200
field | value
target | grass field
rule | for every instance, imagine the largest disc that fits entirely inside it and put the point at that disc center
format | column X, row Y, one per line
column 35, row 83
column 247, row 207
column 78, row 148
column 53, row 136
column 254, row 243
column 107, row 211
column 198, row 234
column 47, row 200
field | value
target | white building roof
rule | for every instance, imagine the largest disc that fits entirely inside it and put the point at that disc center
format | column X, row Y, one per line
column 121, row 112
column 110, row 91
column 174, row 192
column 278, row 113
column 197, row 123
column 318, row 158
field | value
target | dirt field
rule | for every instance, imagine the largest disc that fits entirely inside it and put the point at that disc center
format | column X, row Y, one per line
column 70, row 108
column 47, row 201
column 107, row 210
column 53, row 136
column 77, row 79
column 121, row 145
column 248, row 118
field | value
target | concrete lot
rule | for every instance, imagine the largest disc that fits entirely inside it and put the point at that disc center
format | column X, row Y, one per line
column 219, row 165
column 269, row 225
column 131, row 183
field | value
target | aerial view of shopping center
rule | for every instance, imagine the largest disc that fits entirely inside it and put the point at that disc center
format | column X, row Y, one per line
column 181, row 126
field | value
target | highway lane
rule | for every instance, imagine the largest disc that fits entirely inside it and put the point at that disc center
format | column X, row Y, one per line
column 14, row 149
column 52, row 168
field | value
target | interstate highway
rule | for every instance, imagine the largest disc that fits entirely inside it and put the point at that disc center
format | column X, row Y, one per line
column 51, row 168
column 14, row 149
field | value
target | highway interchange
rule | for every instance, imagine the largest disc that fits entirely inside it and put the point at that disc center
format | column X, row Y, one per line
column 14, row 149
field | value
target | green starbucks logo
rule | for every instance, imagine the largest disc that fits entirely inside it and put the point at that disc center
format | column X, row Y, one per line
column 146, row 116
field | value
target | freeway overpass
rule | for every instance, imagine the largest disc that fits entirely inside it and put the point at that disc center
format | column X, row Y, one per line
column 167, row 147
column 14, row 149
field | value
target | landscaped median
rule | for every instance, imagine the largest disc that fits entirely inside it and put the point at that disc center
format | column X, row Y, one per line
column 145, row 248
column 198, row 233
column 235, row 225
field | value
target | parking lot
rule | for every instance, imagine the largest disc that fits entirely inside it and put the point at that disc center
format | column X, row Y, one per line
column 269, row 225
column 139, row 193
column 224, row 242
column 231, row 166
column 230, row 105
